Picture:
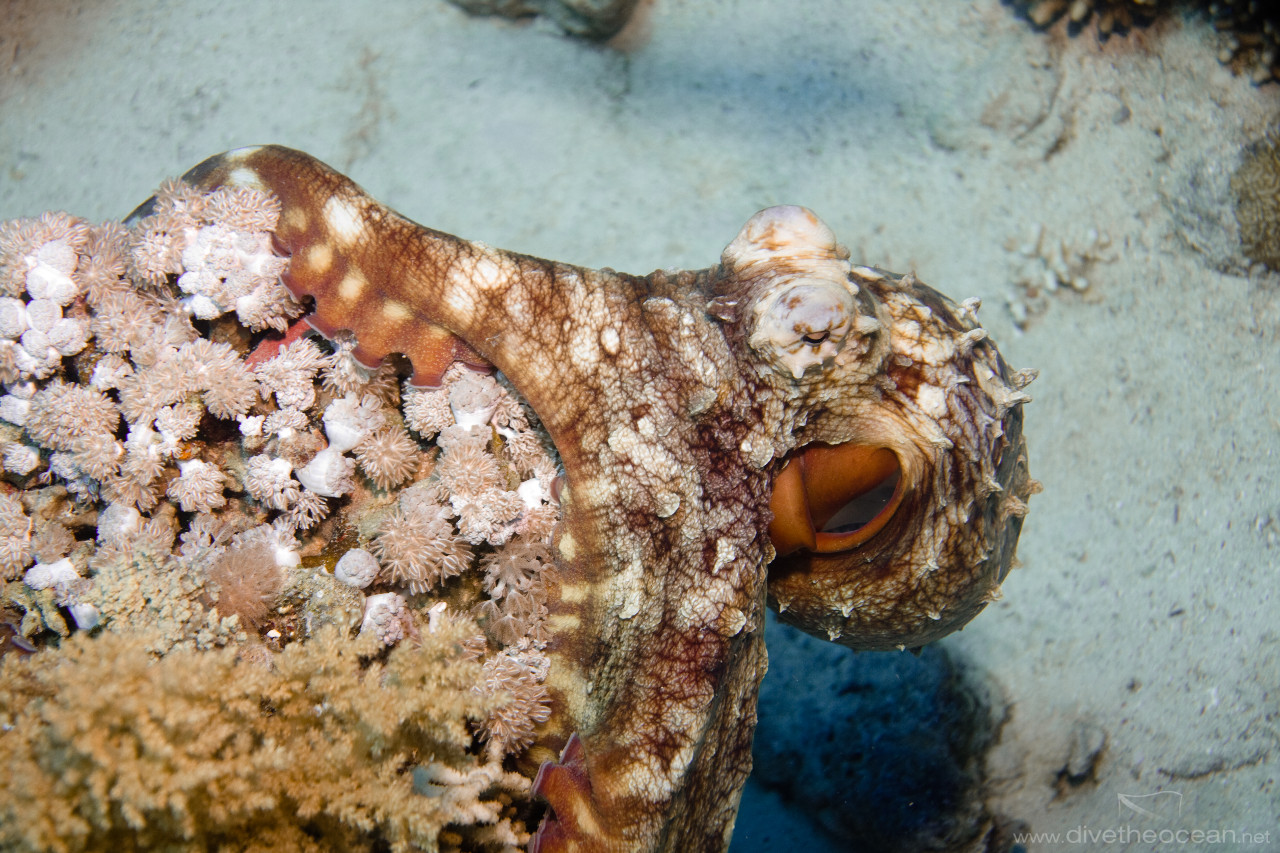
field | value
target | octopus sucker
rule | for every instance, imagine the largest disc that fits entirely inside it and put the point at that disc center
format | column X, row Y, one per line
column 783, row 427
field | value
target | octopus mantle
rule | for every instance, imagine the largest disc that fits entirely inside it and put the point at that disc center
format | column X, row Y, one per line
column 786, row 426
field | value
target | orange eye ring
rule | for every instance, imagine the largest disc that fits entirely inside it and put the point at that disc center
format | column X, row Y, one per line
column 833, row 498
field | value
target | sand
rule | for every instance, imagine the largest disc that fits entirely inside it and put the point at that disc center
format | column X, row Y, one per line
column 1136, row 649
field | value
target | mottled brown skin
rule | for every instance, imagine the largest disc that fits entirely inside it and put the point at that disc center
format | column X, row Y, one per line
column 674, row 399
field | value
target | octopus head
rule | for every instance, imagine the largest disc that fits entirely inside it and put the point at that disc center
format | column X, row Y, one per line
column 896, row 510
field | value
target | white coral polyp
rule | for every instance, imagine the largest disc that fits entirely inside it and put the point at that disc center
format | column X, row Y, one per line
column 48, row 338
column 474, row 398
column 268, row 479
column 61, row 573
column 199, row 486
column 86, row 616
column 36, row 343
column 43, row 313
column 50, row 273
column 15, row 409
column 118, row 523
column 202, row 307
column 109, row 372
column 531, row 492
column 349, row 420
column 223, row 267
column 386, row 616
column 298, row 395
column 329, row 473
column 13, row 318
column 21, row 459
column 69, row 336
column 357, row 568
column 251, row 425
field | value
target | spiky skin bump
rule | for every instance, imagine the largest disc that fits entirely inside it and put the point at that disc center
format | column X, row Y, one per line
column 674, row 399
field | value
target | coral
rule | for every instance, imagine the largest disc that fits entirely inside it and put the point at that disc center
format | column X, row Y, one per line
column 1255, row 186
column 58, row 575
column 473, row 398
column 220, row 249
column 117, row 524
column 278, row 537
column 537, row 523
column 357, row 568
column 20, row 459
column 216, row 369
column 53, row 542
column 309, row 510
column 180, row 422
column 198, row 487
column 213, row 370
column 267, row 479
column 1111, row 14
column 243, row 209
column 348, row 420
column 514, row 567
column 63, row 415
column 123, row 319
column 290, row 374
column 286, row 423
column 468, row 469
column 1252, row 31
column 41, row 252
column 388, row 456
column 138, row 585
column 419, row 548
column 490, row 516
column 37, row 336
column 247, row 581
column 342, row 373
column 329, row 474
column 509, row 727
column 427, row 412
column 387, row 618
column 198, row 751
column 104, row 261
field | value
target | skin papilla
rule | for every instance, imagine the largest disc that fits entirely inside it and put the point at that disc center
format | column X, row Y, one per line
column 711, row 425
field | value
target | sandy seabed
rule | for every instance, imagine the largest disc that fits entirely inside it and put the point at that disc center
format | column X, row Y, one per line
column 1136, row 650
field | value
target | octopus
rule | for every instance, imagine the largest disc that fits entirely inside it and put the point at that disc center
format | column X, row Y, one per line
column 785, row 428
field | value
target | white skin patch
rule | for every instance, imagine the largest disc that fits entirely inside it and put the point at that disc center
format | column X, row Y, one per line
column 568, row 547
column 487, row 274
column 242, row 176
column 396, row 312
column 351, row 287
column 932, row 400
column 319, row 257
column 584, row 350
column 458, row 297
column 344, row 220
column 609, row 340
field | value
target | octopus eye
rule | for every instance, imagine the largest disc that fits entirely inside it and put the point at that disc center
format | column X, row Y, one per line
column 828, row 499
column 803, row 325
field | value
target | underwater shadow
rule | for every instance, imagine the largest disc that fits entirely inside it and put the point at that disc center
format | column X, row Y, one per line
column 883, row 750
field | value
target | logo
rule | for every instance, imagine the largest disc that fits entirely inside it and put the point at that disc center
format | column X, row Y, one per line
column 1162, row 805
